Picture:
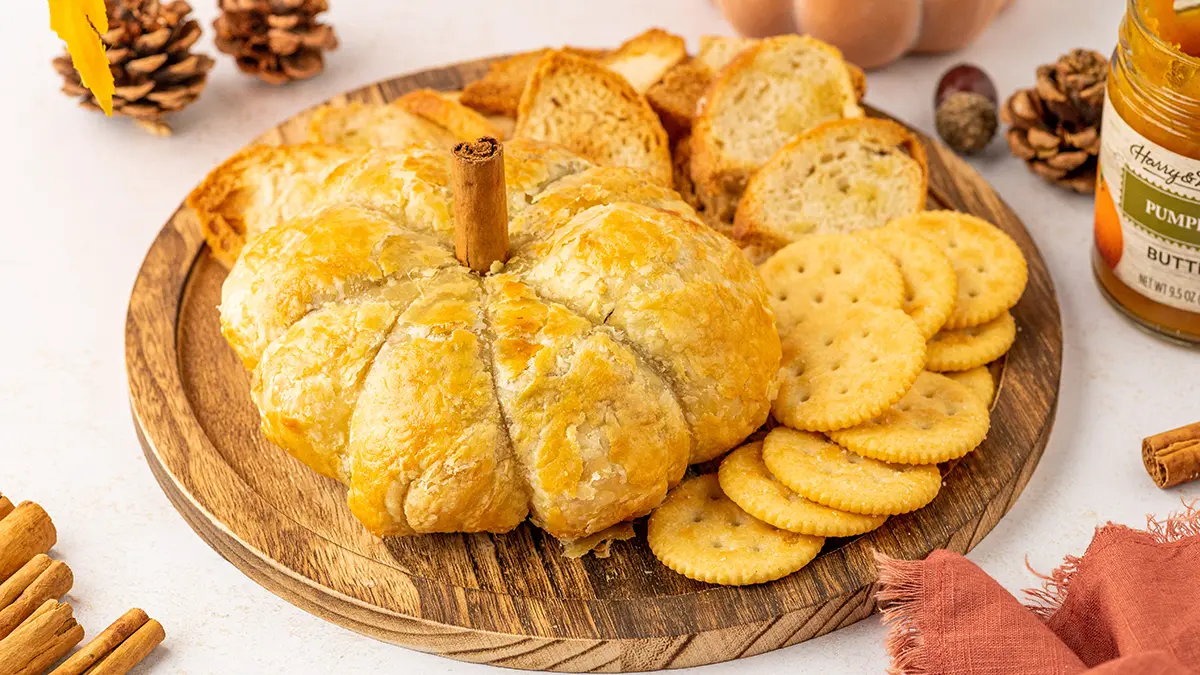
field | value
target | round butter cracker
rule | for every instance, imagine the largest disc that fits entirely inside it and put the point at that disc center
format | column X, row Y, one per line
column 989, row 265
column 979, row 380
column 824, row 273
column 824, row 472
column 701, row 534
column 930, row 283
column 967, row 348
column 843, row 368
column 745, row 479
column 937, row 420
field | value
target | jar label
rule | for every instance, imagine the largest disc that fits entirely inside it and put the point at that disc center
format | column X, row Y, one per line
column 1148, row 215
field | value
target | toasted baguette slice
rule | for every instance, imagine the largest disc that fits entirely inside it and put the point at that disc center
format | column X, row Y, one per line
column 772, row 91
column 499, row 91
column 646, row 58
column 362, row 125
column 445, row 110
column 643, row 60
column 843, row 176
column 718, row 51
column 677, row 96
column 594, row 112
column 258, row 188
column 421, row 117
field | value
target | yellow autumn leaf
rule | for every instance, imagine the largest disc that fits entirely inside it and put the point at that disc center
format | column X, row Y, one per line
column 77, row 23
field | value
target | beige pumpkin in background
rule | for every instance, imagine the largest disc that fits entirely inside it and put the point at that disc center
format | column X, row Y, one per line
column 870, row 33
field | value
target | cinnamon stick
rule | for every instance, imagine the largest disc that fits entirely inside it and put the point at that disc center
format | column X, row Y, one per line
column 1173, row 457
column 53, row 651
column 49, row 628
column 24, row 533
column 12, row 589
column 104, row 643
column 131, row 652
column 6, row 506
column 53, row 583
column 480, row 204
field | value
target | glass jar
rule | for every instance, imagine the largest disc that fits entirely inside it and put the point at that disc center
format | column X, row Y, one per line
column 1147, row 225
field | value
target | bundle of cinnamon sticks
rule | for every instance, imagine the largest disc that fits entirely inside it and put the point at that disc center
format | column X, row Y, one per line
column 36, row 630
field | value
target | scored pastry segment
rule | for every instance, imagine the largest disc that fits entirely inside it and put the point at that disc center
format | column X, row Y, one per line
column 967, row 348
column 824, row 472
column 307, row 383
column 845, row 367
column 828, row 273
column 937, row 420
column 745, row 479
column 990, row 267
column 930, row 284
column 537, row 221
column 333, row 255
column 665, row 283
column 700, row 533
column 599, row 436
column 428, row 448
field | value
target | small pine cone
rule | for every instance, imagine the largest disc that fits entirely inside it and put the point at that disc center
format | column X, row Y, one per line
column 1055, row 125
column 276, row 40
column 154, row 71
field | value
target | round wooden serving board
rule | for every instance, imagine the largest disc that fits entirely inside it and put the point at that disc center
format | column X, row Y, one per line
column 513, row 599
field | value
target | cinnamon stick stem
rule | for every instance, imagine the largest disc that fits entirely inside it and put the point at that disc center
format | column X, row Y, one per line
column 1173, row 457
column 47, row 629
column 6, row 506
column 480, row 204
column 131, row 652
column 51, row 584
column 104, row 643
column 24, row 533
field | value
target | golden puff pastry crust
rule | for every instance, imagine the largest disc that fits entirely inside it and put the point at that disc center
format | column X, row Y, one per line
column 622, row 341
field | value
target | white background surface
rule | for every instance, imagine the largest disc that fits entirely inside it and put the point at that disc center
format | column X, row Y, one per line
column 83, row 196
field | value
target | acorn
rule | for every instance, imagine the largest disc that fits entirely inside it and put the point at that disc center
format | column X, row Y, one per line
column 966, row 103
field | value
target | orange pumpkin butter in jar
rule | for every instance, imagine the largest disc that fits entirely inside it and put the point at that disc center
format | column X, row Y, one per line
column 1147, row 226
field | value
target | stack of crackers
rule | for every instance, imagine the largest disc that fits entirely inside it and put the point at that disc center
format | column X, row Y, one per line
column 887, row 336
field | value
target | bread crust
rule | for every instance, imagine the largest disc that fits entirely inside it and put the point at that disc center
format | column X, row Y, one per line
column 752, row 224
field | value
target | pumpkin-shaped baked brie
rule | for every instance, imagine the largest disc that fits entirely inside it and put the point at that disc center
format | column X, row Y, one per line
column 573, row 384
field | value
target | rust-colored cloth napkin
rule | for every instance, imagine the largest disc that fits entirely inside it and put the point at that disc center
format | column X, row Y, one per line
column 1129, row 606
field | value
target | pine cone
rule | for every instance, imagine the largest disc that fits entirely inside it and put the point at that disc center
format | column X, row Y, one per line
column 1055, row 126
column 276, row 40
column 149, row 50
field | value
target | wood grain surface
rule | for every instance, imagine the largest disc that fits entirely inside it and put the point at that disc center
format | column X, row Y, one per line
column 514, row 600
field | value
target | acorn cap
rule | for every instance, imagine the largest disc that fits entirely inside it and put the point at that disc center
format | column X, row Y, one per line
column 967, row 121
